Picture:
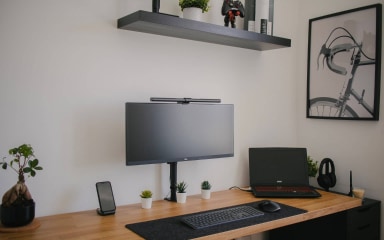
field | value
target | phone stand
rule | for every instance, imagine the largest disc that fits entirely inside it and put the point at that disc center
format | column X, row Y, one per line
column 106, row 199
column 101, row 213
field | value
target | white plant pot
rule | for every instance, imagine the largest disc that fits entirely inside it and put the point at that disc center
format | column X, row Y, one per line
column 205, row 193
column 193, row 13
column 181, row 197
column 146, row 203
column 313, row 181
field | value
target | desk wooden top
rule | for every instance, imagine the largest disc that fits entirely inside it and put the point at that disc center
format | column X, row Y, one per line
column 89, row 225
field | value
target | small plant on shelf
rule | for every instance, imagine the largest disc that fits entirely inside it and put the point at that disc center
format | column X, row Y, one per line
column 313, row 168
column 202, row 4
column 181, row 187
column 146, row 194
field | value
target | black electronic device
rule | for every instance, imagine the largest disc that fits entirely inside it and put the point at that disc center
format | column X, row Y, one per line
column 106, row 199
column 269, row 206
column 185, row 100
column 280, row 172
column 187, row 129
column 221, row 216
column 155, row 6
column 327, row 177
column 350, row 185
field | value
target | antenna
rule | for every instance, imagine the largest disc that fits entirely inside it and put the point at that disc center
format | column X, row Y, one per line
column 350, row 185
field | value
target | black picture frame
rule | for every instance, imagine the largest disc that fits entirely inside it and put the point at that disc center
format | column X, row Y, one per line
column 344, row 63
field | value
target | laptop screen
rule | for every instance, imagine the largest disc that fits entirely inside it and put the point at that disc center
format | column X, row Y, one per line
column 278, row 166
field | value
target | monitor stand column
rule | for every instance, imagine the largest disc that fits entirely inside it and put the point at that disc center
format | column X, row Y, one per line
column 173, row 180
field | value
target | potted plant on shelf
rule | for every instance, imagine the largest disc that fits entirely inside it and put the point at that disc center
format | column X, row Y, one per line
column 194, row 9
column 206, row 190
column 181, row 194
column 18, row 207
column 146, row 199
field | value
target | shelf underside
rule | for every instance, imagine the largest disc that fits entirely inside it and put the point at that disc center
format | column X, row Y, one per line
column 172, row 26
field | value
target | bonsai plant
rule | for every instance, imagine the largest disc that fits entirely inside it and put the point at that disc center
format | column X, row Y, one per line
column 146, row 199
column 206, row 190
column 202, row 4
column 18, row 207
column 313, row 168
column 181, row 194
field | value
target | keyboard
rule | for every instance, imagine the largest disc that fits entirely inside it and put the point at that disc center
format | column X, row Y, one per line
column 217, row 217
column 284, row 191
column 303, row 189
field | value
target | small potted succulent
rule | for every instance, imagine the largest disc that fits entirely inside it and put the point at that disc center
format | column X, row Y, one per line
column 313, row 167
column 206, row 190
column 18, row 207
column 181, row 194
column 193, row 9
column 146, row 199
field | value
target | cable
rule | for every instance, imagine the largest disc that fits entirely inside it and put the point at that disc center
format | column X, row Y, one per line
column 245, row 189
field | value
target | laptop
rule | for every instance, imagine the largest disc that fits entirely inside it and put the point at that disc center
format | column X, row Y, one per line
column 280, row 172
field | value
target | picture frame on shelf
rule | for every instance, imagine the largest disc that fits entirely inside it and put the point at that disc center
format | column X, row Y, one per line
column 344, row 61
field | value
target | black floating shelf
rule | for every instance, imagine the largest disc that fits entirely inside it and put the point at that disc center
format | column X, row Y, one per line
column 173, row 26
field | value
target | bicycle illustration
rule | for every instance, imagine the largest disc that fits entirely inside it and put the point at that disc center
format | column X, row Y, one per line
column 338, row 107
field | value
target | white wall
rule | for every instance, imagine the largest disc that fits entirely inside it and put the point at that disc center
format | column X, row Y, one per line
column 353, row 145
column 66, row 72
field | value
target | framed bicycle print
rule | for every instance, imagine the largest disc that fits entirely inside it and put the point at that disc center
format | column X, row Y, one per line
column 344, row 61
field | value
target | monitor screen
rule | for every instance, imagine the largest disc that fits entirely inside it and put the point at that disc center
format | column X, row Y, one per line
column 172, row 132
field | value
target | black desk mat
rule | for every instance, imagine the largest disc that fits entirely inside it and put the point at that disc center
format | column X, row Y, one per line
column 173, row 228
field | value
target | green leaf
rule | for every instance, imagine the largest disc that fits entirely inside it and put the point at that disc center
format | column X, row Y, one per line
column 38, row 168
column 25, row 150
column 33, row 163
column 27, row 170
column 4, row 166
column 13, row 151
column 33, row 173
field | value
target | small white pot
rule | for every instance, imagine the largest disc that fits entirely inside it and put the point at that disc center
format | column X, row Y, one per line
column 205, row 193
column 193, row 13
column 181, row 197
column 146, row 203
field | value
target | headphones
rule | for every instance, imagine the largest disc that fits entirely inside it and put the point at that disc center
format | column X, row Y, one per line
column 327, row 179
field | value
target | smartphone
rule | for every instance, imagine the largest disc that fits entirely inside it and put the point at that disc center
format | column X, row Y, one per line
column 106, row 199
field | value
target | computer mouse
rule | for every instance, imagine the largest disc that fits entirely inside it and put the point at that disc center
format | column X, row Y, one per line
column 269, row 206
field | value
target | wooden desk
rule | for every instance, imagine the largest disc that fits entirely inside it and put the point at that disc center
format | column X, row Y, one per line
column 89, row 225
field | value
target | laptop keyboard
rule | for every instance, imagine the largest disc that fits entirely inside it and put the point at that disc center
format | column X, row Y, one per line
column 280, row 191
column 213, row 218
column 283, row 189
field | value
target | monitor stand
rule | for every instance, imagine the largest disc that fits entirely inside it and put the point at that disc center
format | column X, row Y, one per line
column 173, row 180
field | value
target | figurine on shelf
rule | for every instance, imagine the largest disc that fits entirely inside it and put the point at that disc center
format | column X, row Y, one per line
column 231, row 9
